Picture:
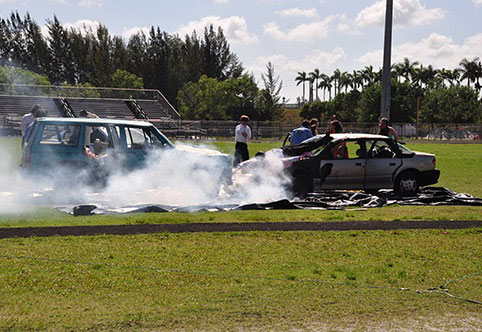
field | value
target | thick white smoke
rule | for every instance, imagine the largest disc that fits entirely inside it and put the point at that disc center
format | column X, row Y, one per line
column 170, row 177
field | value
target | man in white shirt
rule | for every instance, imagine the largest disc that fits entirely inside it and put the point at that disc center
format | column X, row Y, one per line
column 27, row 119
column 242, row 135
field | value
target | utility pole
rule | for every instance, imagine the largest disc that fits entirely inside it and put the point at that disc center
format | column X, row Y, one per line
column 387, row 56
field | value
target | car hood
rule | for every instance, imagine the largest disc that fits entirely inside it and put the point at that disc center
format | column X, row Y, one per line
column 199, row 151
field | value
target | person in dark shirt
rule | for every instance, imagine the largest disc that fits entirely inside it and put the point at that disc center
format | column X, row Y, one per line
column 385, row 130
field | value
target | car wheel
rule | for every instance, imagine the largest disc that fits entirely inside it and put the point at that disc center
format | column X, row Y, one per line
column 302, row 183
column 407, row 183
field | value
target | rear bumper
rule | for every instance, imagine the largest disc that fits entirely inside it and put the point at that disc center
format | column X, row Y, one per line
column 429, row 177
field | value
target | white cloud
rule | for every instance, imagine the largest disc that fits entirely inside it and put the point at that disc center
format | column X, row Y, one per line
column 287, row 68
column 477, row 2
column 235, row 28
column 83, row 26
column 302, row 33
column 61, row 2
column 221, row 1
column 437, row 50
column 297, row 12
column 91, row 3
column 405, row 13
column 127, row 33
column 346, row 26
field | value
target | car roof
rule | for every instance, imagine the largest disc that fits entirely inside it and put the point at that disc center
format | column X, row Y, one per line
column 137, row 123
column 354, row 136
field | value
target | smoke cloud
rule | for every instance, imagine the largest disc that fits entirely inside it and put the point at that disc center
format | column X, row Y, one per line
column 175, row 177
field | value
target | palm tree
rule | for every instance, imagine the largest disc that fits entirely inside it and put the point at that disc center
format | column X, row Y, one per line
column 357, row 78
column 429, row 76
column 408, row 68
column 397, row 71
column 469, row 70
column 445, row 75
column 325, row 84
column 301, row 78
column 345, row 81
column 369, row 75
column 478, row 87
column 315, row 75
column 336, row 80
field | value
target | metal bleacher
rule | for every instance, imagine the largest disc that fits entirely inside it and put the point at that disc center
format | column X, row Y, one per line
column 17, row 100
column 17, row 106
column 110, row 109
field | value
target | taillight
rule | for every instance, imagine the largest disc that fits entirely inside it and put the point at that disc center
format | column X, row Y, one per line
column 434, row 162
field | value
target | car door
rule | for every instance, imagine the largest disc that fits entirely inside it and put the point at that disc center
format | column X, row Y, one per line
column 382, row 162
column 347, row 164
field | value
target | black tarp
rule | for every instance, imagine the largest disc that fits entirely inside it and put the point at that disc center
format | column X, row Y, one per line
column 328, row 200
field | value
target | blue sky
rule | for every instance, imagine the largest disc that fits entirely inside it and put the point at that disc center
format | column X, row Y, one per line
column 295, row 35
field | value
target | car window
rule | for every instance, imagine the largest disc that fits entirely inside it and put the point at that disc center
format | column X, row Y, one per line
column 100, row 133
column 348, row 150
column 54, row 134
column 141, row 138
column 380, row 149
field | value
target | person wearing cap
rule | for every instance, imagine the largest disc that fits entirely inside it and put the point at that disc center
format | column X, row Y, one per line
column 242, row 135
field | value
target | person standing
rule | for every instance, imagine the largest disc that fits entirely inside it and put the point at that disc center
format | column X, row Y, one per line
column 242, row 135
column 27, row 119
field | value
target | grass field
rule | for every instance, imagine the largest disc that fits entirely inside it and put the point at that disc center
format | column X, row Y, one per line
column 242, row 281
column 276, row 281
column 460, row 171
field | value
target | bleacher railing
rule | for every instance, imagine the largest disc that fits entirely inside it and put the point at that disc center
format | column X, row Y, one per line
column 54, row 91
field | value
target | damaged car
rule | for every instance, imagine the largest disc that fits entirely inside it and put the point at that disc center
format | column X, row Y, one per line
column 101, row 146
column 352, row 162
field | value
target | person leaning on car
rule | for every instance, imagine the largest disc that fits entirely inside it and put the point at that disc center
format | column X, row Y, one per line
column 385, row 130
column 242, row 135
column 302, row 133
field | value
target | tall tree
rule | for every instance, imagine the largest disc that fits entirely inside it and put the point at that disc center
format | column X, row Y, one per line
column 270, row 95
column 301, row 79
column 60, row 68
column 469, row 70
column 219, row 62
column 315, row 75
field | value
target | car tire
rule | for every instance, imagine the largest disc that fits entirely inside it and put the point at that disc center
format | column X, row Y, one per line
column 302, row 183
column 407, row 183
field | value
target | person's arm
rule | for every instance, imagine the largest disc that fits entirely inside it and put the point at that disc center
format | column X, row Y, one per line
column 237, row 133
column 394, row 133
column 249, row 133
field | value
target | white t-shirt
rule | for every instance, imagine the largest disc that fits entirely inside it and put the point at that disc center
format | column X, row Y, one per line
column 238, row 134
column 26, row 120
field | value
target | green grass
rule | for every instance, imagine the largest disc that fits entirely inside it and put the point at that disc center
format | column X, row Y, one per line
column 51, row 217
column 239, row 281
column 460, row 171
column 249, row 281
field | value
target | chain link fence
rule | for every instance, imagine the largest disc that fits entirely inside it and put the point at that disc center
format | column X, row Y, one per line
column 278, row 130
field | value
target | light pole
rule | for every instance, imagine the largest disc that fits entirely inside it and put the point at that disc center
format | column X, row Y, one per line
column 387, row 55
